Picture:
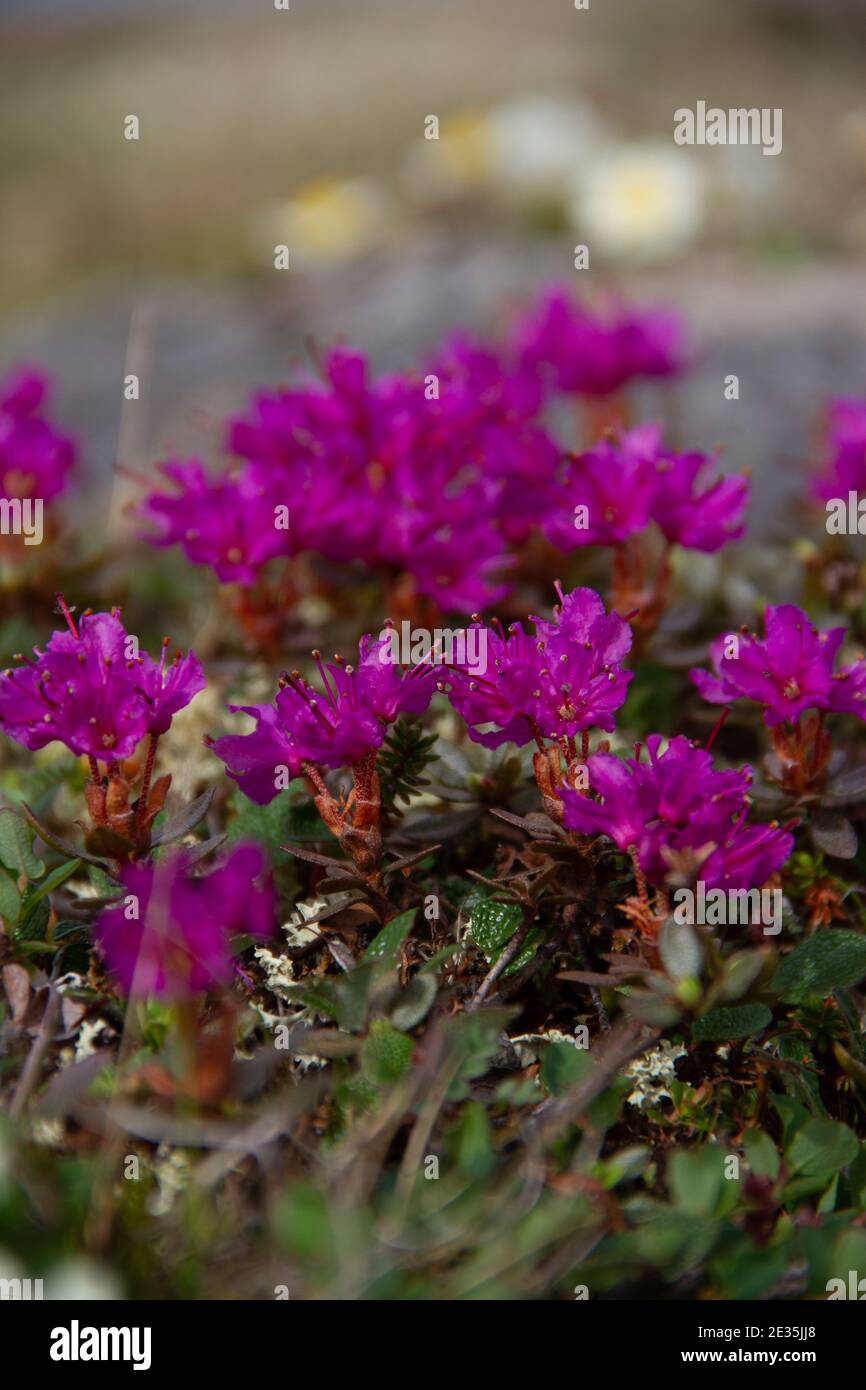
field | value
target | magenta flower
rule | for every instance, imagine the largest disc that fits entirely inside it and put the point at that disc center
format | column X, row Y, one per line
column 564, row 680
column 486, row 416
column 35, row 458
column 343, row 421
column 846, row 469
column 336, row 728
column 615, row 489
column 167, row 689
column 674, row 803
column 229, row 523
column 504, row 696
column 608, row 491
column 588, row 355
column 170, row 935
column 89, row 690
column 694, row 511
column 393, row 472
column 787, row 672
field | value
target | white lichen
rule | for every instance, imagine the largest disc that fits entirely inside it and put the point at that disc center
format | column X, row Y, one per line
column 279, row 973
column 90, row 1031
column 653, row 1074
column 171, row 1171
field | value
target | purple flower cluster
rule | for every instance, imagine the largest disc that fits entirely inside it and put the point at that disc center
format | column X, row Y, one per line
column 845, row 470
column 434, row 475
column 565, row 679
column 787, row 672
column 587, row 354
column 91, row 689
column 170, row 934
column 678, row 805
column 227, row 523
column 615, row 489
column 336, row 728
column 35, row 458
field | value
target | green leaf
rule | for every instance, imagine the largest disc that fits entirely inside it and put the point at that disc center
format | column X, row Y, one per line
column 16, row 846
column 415, row 1001
column 10, row 900
column 387, row 1053
column 185, row 820
column 849, row 1252
column 741, row 970
column 54, row 840
column 492, row 926
column 761, row 1153
column 562, row 1065
column 54, row 880
column 746, row 1273
column 403, row 759
column 33, row 920
column 822, row 1147
column 303, row 824
column 801, row 1081
column 651, row 1008
column 267, row 826
column 475, row 1038
column 303, row 1224
column 623, row 1166
column 475, row 1155
column 792, row 1114
column 695, row 1178
column 681, row 950
column 386, row 944
column 828, row 959
column 728, row 1024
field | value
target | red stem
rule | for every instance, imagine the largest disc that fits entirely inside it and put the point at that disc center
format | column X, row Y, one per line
column 717, row 726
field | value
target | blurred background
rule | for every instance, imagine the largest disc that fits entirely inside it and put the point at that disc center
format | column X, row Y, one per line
column 306, row 127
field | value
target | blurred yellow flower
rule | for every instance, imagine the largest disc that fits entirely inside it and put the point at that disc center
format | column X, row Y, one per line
column 329, row 220
column 458, row 160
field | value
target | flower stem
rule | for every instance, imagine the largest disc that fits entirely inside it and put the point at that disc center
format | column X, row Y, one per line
column 141, row 808
column 640, row 877
column 716, row 728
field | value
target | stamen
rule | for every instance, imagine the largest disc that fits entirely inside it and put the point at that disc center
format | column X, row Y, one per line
column 65, row 610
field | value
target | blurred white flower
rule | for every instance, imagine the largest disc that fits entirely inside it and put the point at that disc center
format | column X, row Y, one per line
column 79, row 1279
column 640, row 201
column 540, row 145
column 327, row 221
column 10, row 1266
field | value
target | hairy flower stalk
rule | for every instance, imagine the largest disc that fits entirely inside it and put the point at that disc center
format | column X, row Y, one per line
column 639, row 587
